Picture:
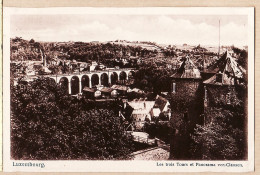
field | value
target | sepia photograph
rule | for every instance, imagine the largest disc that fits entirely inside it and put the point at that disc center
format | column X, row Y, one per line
column 159, row 85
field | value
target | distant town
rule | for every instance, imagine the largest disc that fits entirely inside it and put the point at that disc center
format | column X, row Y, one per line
column 170, row 101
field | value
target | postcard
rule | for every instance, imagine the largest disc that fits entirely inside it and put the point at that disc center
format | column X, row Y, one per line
column 147, row 89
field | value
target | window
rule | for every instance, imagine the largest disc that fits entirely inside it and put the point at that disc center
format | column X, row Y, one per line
column 173, row 87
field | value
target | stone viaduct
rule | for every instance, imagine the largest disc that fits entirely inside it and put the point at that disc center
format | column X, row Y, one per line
column 76, row 82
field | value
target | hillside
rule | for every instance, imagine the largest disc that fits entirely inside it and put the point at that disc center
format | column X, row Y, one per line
column 117, row 53
column 22, row 50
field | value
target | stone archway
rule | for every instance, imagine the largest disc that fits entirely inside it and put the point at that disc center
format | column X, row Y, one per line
column 104, row 79
column 64, row 83
column 94, row 80
column 114, row 78
column 122, row 75
column 74, row 85
column 84, row 81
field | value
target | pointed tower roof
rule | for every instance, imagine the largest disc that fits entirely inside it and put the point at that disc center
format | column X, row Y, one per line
column 187, row 70
column 226, row 62
column 226, row 69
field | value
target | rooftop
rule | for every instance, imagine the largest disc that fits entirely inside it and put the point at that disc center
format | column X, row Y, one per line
column 227, row 70
column 187, row 70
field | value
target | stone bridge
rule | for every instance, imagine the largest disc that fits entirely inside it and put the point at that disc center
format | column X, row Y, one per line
column 76, row 82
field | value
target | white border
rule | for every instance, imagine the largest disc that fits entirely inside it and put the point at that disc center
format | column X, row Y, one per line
column 126, row 166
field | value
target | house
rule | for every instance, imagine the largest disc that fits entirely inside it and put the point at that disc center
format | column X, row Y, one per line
column 161, row 106
column 98, row 87
column 122, row 90
column 143, row 110
column 199, row 49
column 155, row 112
column 89, row 92
column 97, row 94
column 136, row 90
column 124, row 61
column 93, row 65
column 135, row 93
column 108, row 92
column 161, row 103
column 102, row 66
column 82, row 66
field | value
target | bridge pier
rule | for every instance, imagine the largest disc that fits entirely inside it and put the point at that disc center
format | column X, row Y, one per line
column 90, row 83
column 80, row 86
column 69, row 87
column 99, row 82
column 109, row 78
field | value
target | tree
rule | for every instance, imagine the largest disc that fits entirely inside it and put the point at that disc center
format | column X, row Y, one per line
column 219, row 139
column 48, row 124
column 34, row 114
column 102, row 135
column 242, row 57
column 31, row 41
column 37, row 45
column 14, row 48
column 153, row 78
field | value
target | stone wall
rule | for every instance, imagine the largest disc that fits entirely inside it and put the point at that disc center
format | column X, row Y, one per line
column 188, row 98
column 186, row 85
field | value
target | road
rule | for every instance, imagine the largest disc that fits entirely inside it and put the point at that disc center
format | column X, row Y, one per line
column 160, row 150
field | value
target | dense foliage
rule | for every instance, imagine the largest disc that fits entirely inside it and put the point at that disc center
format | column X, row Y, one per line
column 160, row 130
column 242, row 56
column 47, row 123
column 151, row 77
column 222, row 139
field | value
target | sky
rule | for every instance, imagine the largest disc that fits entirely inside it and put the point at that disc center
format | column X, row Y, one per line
column 162, row 29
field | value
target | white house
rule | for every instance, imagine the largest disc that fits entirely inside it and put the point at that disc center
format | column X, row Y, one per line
column 148, row 110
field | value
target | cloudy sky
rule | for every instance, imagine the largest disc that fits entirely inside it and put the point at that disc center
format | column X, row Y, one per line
column 163, row 29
